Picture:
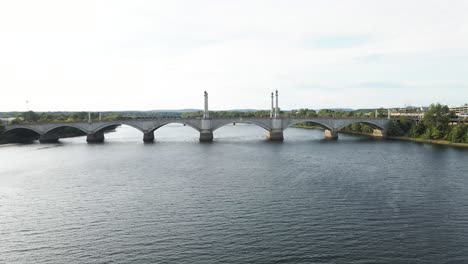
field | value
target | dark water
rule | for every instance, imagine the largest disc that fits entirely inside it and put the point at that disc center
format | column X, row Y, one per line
column 238, row 200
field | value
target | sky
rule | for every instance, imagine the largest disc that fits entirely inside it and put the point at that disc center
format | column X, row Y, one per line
column 143, row 55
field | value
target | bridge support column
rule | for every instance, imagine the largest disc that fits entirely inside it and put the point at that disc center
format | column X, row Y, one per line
column 148, row 137
column 48, row 138
column 206, row 136
column 379, row 133
column 275, row 135
column 331, row 134
column 97, row 137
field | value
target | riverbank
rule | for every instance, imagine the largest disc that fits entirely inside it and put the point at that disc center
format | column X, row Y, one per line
column 418, row 140
column 431, row 141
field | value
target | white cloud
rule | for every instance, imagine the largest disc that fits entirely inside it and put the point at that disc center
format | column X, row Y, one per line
column 111, row 55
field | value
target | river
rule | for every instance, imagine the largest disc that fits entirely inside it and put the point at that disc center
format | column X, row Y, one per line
column 239, row 199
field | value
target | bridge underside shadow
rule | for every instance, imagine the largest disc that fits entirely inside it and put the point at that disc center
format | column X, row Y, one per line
column 53, row 135
column 331, row 133
column 150, row 136
column 20, row 135
column 274, row 127
column 243, row 130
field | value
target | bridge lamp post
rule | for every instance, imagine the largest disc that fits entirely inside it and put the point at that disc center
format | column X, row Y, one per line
column 277, row 107
column 272, row 106
column 206, row 113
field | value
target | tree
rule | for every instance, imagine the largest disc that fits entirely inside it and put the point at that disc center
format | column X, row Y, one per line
column 417, row 130
column 437, row 119
column 458, row 133
column 326, row 113
column 16, row 121
column 381, row 112
column 356, row 127
column 395, row 129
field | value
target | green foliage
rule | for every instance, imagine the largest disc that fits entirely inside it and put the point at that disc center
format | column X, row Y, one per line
column 458, row 134
column 326, row 113
column 304, row 112
column 417, row 130
column 395, row 129
column 30, row 117
column 16, row 121
column 382, row 112
column 405, row 124
column 356, row 127
column 435, row 125
column 437, row 120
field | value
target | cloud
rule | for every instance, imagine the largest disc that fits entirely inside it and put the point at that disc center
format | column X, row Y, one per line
column 338, row 41
column 381, row 85
column 108, row 55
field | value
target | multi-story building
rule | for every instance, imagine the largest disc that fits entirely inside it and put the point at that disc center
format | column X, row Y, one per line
column 461, row 111
column 408, row 111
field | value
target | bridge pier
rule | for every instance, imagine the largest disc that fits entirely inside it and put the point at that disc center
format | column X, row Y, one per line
column 276, row 132
column 48, row 138
column 148, row 137
column 97, row 137
column 206, row 132
column 331, row 134
column 275, row 135
column 206, row 136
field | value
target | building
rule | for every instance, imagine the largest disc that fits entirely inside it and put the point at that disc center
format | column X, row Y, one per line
column 460, row 111
column 409, row 111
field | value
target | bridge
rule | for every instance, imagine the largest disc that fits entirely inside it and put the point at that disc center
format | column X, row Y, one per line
column 206, row 126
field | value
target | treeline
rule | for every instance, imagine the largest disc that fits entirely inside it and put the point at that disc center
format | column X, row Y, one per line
column 33, row 117
column 300, row 113
column 30, row 116
column 435, row 125
column 227, row 114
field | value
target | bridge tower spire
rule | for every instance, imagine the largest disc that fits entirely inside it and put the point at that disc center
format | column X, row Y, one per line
column 277, row 114
column 272, row 106
column 206, row 113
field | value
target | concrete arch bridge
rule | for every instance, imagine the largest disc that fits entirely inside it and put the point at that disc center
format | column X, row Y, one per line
column 274, row 126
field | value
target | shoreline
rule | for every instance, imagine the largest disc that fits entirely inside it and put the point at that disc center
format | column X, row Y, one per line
column 408, row 139
column 431, row 141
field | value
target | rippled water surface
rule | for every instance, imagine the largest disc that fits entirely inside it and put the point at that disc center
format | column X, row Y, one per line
column 238, row 200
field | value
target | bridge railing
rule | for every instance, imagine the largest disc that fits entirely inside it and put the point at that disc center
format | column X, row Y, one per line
column 157, row 118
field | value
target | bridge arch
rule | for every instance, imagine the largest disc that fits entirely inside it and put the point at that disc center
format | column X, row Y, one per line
column 373, row 125
column 174, row 122
column 7, row 130
column 116, row 124
column 227, row 122
column 21, row 134
column 313, row 121
column 63, row 126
